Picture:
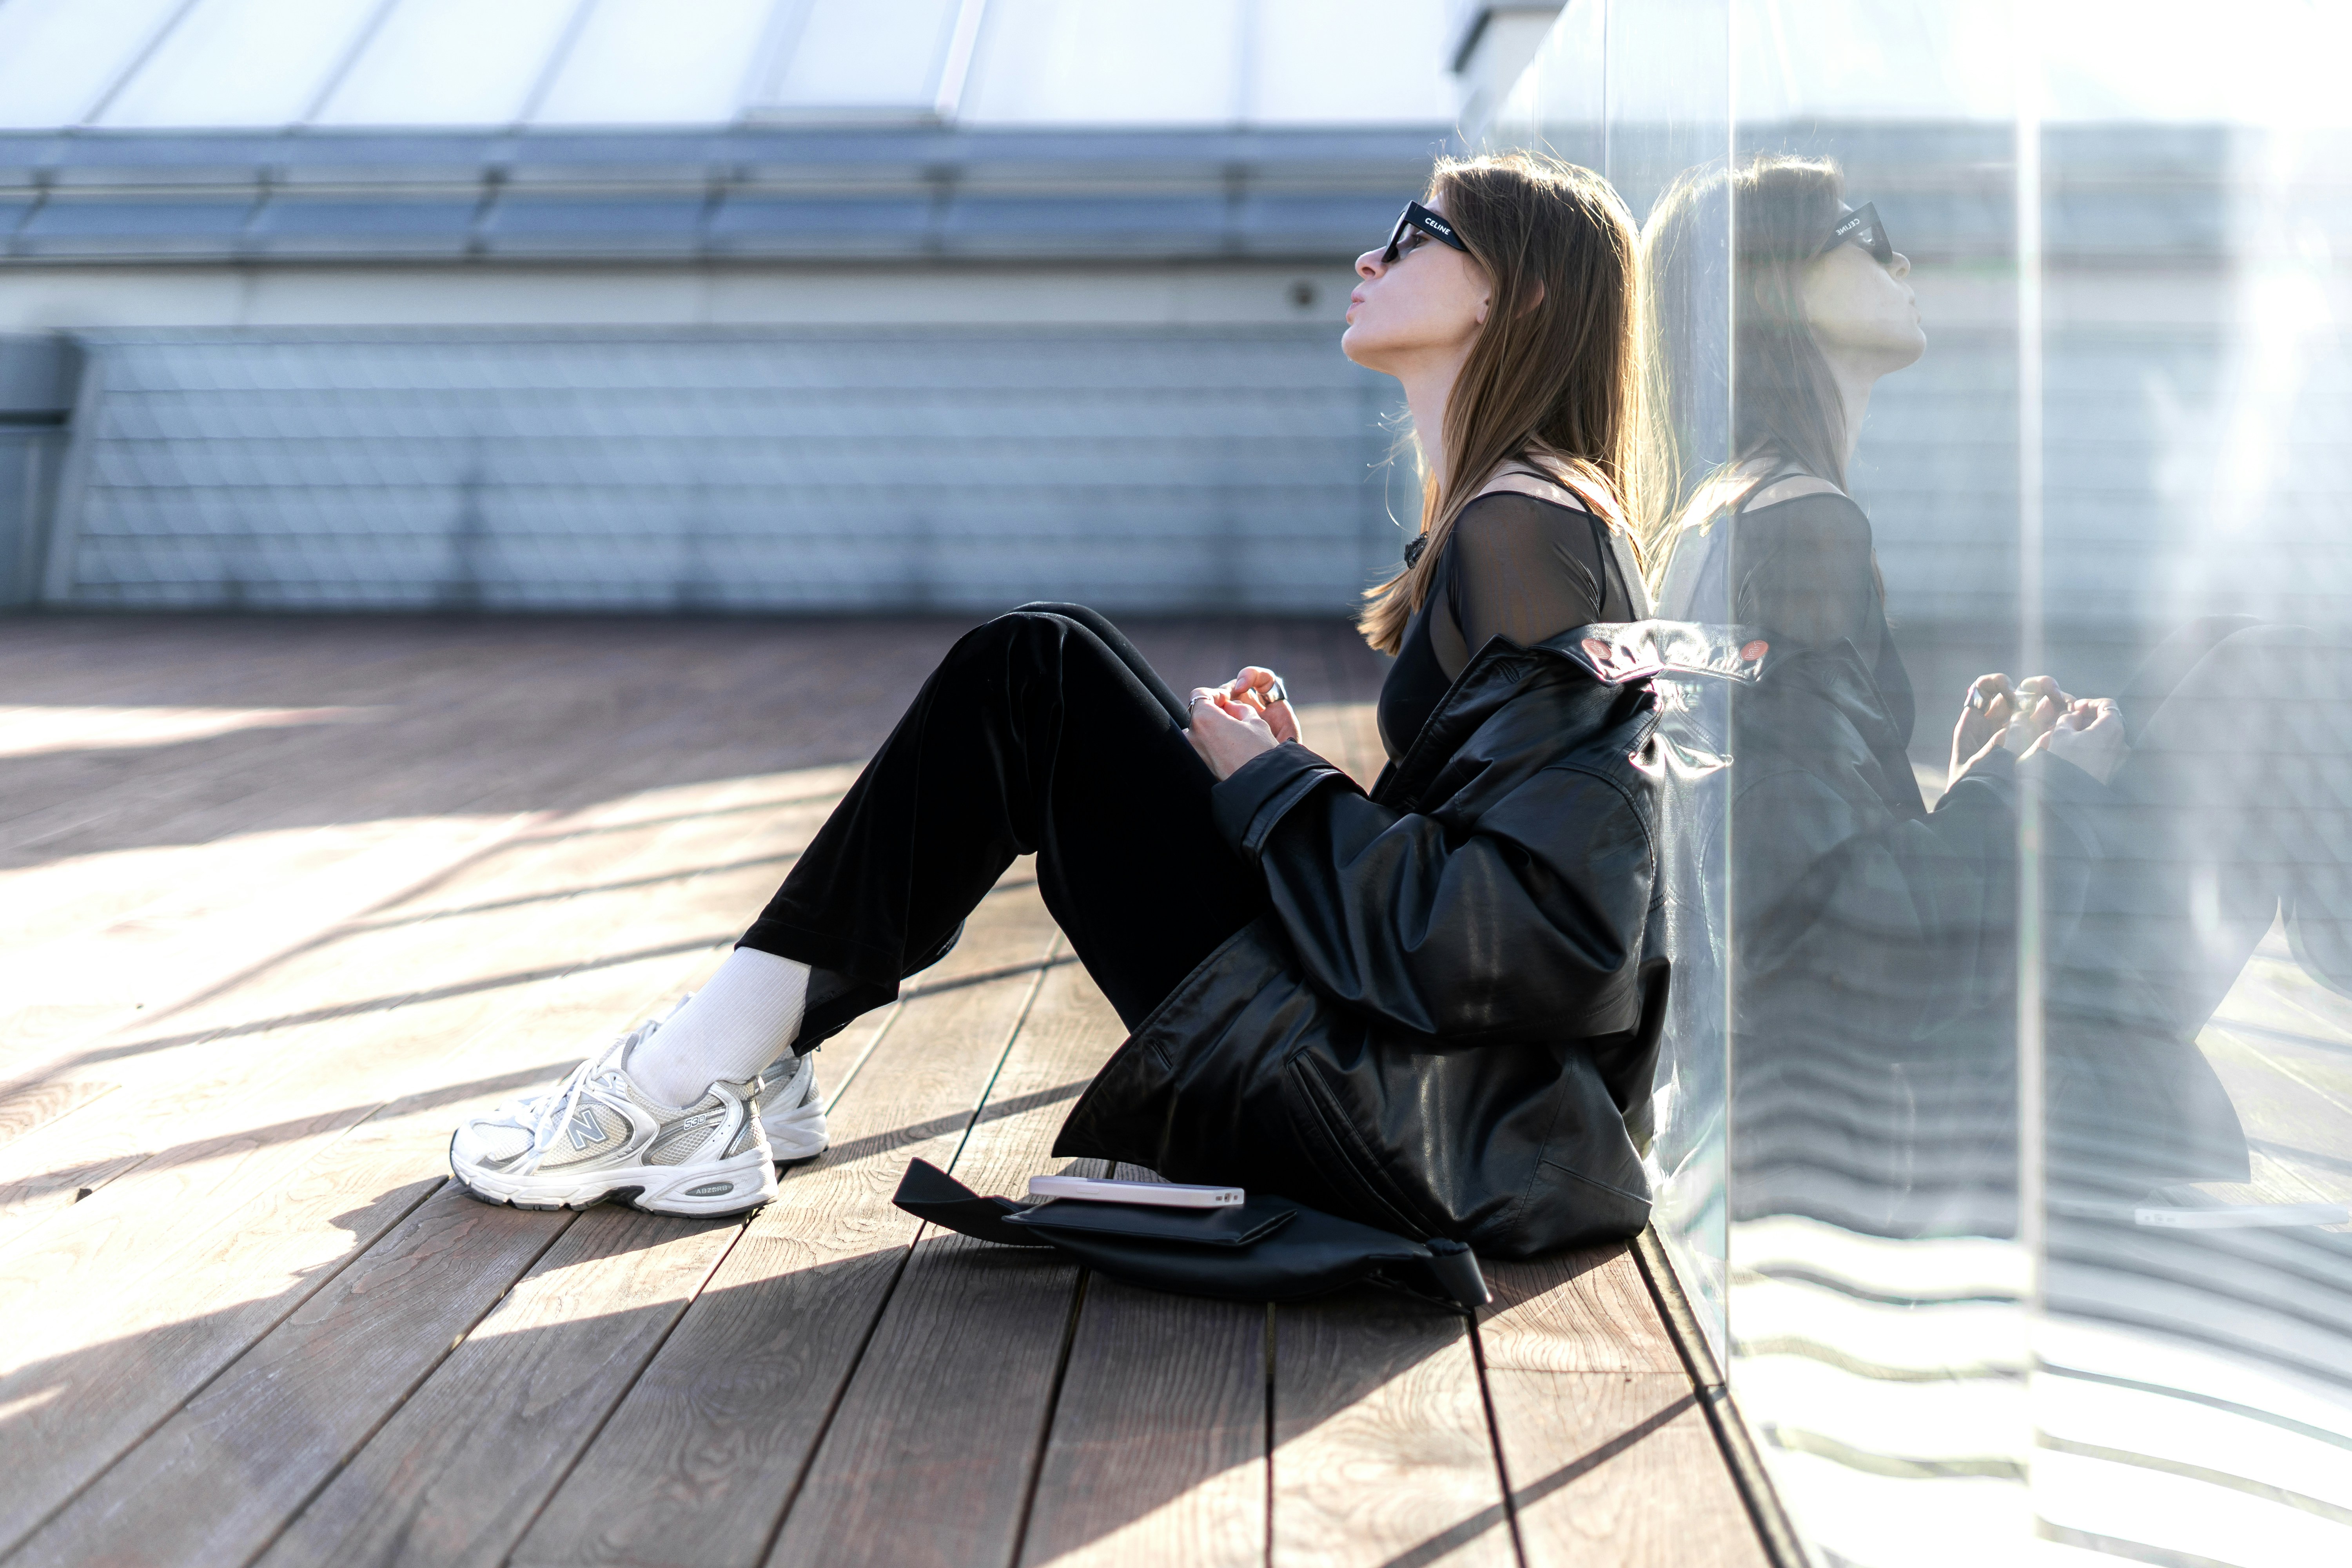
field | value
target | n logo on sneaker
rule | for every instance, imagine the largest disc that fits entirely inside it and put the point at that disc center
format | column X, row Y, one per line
column 587, row 1129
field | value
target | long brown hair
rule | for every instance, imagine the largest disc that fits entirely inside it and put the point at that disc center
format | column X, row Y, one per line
column 1775, row 398
column 1550, row 381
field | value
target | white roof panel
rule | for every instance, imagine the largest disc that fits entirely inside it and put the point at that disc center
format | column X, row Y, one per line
column 58, row 57
column 1100, row 62
column 1341, row 62
column 431, row 63
column 450, row 62
column 658, row 62
column 833, row 61
column 241, row 62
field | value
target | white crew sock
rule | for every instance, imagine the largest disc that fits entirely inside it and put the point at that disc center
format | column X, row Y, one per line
column 747, row 1016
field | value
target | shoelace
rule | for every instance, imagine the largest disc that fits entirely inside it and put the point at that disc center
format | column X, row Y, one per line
column 545, row 1117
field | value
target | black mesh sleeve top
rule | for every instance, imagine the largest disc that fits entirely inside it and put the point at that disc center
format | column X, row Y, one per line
column 1515, row 566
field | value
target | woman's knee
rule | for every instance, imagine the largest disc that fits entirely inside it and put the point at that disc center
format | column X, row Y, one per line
column 1031, row 636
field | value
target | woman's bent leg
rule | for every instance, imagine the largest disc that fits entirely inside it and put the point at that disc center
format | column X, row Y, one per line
column 1037, row 733
column 1116, row 642
column 2230, row 806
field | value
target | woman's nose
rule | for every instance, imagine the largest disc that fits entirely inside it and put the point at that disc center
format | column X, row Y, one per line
column 1900, row 266
column 1368, row 264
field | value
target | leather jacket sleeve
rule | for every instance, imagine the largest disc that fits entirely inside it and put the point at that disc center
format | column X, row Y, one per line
column 1897, row 926
column 1526, row 926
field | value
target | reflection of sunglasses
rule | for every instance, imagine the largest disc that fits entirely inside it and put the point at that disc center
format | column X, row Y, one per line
column 1429, row 223
column 1862, row 227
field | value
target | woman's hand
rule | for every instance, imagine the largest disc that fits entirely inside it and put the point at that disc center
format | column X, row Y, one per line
column 2028, row 717
column 1227, row 730
column 2034, row 711
column 1985, row 713
column 1264, row 689
column 2090, row 734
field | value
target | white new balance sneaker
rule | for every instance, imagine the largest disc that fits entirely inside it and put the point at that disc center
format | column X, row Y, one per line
column 597, row 1135
column 792, row 1112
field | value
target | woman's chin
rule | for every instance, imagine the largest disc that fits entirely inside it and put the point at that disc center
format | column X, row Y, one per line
column 1358, row 346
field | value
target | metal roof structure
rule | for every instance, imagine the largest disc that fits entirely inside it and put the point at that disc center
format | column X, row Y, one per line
column 147, row 130
column 345, row 64
column 830, row 193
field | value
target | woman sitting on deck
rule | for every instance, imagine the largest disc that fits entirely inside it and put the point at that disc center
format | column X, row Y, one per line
column 1431, row 1008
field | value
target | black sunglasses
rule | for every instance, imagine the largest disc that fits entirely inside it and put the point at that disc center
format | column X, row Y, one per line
column 1862, row 227
column 1429, row 223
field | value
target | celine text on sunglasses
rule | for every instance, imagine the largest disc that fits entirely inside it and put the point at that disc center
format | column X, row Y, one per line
column 1862, row 227
column 1429, row 223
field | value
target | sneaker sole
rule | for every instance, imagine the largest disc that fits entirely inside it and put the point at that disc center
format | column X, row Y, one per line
column 704, row 1192
column 797, row 1134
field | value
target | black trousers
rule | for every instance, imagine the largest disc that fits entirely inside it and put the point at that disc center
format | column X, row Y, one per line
column 1042, row 732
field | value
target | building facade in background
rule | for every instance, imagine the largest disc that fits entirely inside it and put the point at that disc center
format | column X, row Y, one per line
column 811, row 305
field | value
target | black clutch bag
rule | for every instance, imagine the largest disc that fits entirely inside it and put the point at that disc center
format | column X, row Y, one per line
column 1266, row 1249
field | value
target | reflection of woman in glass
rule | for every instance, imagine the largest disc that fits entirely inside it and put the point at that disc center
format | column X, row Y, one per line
column 1430, row 1008
column 1875, row 941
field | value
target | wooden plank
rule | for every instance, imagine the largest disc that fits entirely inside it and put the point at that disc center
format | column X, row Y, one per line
column 295, row 1079
column 96, row 943
column 458, row 1473
column 37, row 1105
column 222, row 1477
column 97, row 1393
column 1611, row 1470
column 1158, row 1450
column 1610, row 1457
column 974, row 1330
column 1578, row 1311
column 700, row 1461
column 1381, row 1449
column 210, row 1277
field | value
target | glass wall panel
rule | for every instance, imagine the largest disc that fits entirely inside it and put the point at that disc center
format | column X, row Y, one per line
column 1643, row 94
column 2192, row 1386
column 1996, row 390
column 1869, row 530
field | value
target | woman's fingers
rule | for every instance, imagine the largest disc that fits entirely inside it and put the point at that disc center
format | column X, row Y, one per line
column 2037, row 689
column 2037, row 707
column 1215, row 704
column 1986, row 709
column 1987, row 693
column 2091, row 736
column 1227, row 732
column 1264, row 691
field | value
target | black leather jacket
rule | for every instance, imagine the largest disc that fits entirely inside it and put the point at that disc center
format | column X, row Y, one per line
column 1448, row 1023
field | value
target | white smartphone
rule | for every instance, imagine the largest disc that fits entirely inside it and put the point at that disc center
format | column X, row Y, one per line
column 1159, row 1195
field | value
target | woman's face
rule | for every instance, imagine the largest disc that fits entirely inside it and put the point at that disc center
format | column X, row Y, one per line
column 1425, row 306
column 1861, row 312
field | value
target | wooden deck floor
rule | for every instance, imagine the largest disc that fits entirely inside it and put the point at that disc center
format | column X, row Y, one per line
column 280, row 900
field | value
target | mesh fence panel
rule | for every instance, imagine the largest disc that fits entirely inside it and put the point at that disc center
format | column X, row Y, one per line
column 864, row 469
